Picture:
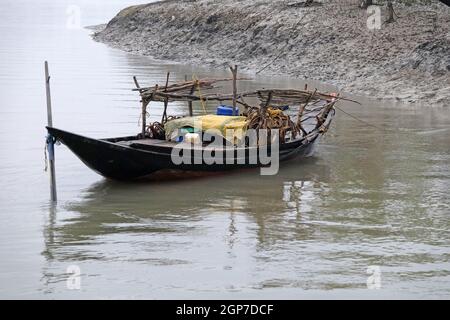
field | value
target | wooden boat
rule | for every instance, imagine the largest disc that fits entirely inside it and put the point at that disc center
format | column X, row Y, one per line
column 141, row 155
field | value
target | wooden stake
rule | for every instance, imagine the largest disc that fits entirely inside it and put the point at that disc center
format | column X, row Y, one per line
column 50, row 140
column 234, row 72
column 303, row 107
column 167, row 81
column 166, row 101
column 143, row 109
column 267, row 104
column 136, row 83
column 191, row 111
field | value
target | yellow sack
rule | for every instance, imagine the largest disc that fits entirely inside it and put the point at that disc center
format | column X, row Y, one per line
column 237, row 124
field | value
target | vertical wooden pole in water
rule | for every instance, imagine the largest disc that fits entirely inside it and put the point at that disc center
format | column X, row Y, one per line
column 144, row 108
column 50, row 141
column 234, row 72
column 191, row 112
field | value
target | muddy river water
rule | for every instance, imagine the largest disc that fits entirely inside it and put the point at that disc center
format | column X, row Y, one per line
column 367, row 216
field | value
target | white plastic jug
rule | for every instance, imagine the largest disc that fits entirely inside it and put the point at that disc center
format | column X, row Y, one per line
column 192, row 138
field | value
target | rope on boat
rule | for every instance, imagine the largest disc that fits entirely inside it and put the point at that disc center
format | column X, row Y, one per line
column 156, row 130
column 197, row 84
column 49, row 144
column 272, row 119
column 45, row 157
column 147, row 114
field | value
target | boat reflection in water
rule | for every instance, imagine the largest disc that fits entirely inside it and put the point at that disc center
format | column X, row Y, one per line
column 221, row 215
column 119, row 207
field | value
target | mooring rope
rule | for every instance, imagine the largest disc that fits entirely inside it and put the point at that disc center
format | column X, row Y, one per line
column 194, row 77
column 147, row 114
column 45, row 157
column 360, row 120
column 48, row 139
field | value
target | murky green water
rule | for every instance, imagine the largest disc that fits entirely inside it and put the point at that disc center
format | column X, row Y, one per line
column 369, row 197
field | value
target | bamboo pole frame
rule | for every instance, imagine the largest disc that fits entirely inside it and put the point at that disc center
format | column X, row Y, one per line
column 234, row 73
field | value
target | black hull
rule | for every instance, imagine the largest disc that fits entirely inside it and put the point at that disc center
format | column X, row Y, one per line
column 122, row 162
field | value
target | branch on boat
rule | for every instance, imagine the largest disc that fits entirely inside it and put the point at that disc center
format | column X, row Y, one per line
column 268, row 114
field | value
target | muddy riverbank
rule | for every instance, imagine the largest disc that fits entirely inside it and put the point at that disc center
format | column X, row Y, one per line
column 408, row 60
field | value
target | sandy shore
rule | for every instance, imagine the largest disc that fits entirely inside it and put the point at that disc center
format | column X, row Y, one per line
column 408, row 60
